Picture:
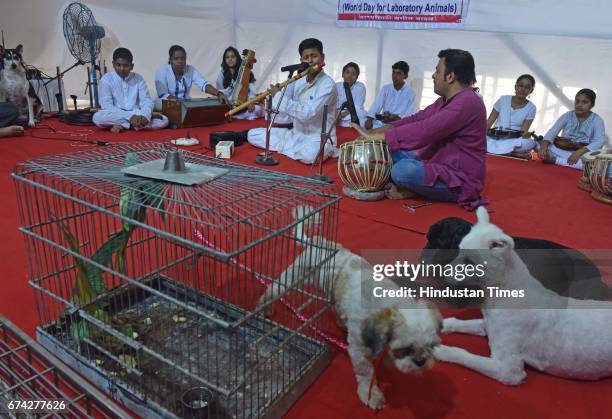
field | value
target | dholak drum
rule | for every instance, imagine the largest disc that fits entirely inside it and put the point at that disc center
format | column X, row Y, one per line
column 601, row 178
column 567, row 144
column 588, row 160
column 365, row 167
column 503, row 134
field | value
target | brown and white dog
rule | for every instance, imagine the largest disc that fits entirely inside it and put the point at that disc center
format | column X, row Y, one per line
column 407, row 329
column 15, row 87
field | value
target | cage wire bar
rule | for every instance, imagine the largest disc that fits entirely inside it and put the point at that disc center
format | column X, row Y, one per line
column 28, row 372
column 151, row 288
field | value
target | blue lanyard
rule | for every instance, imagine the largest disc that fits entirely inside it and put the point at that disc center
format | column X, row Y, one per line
column 176, row 88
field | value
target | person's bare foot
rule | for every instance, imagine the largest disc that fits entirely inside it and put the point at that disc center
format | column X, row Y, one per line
column 392, row 191
column 116, row 129
column 11, row 131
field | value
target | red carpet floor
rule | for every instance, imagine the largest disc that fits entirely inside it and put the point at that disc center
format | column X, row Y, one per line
column 529, row 199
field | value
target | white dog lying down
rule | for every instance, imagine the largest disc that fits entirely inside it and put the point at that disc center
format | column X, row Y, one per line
column 409, row 332
column 565, row 341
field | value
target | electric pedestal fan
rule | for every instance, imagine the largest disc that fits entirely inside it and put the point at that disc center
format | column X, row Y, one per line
column 83, row 37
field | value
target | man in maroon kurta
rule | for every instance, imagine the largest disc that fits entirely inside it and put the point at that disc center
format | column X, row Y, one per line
column 439, row 152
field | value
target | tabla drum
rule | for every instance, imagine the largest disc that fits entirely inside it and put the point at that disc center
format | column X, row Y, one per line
column 588, row 160
column 365, row 167
column 601, row 178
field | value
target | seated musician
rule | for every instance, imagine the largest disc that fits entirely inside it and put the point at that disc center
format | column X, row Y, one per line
column 174, row 80
column 227, row 79
column 583, row 128
column 8, row 116
column 124, row 98
column 439, row 153
column 350, row 73
column 305, row 105
column 514, row 115
column 395, row 100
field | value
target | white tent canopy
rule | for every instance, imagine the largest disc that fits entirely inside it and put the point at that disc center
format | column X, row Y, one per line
column 565, row 45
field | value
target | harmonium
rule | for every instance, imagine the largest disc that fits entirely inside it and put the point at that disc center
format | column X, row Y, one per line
column 187, row 113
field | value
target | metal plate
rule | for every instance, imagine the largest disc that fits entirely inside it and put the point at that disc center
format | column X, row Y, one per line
column 194, row 175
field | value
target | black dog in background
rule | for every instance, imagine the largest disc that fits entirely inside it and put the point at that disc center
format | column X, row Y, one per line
column 561, row 269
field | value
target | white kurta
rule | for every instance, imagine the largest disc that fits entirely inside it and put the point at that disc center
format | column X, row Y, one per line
column 282, row 117
column 305, row 106
column 166, row 83
column 358, row 90
column 228, row 91
column 120, row 99
column 511, row 119
column 591, row 133
column 400, row 102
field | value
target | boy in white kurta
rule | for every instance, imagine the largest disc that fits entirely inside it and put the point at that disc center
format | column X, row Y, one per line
column 124, row 98
column 394, row 101
column 175, row 79
column 305, row 106
column 350, row 73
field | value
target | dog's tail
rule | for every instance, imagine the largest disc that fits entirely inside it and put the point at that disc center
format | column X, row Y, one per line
column 307, row 218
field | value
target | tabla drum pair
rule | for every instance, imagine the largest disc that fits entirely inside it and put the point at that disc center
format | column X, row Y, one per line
column 588, row 161
column 601, row 178
column 364, row 166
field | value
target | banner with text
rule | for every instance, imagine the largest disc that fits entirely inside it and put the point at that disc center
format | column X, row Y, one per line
column 402, row 14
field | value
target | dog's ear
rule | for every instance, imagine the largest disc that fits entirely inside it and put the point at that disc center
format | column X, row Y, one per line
column 376, row 330
column 500, row 245
column 483, row 215
column 19, row 49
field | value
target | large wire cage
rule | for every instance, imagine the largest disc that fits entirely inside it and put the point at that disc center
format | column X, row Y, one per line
column 151, row 287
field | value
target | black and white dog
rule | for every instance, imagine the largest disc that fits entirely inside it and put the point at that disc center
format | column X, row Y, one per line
column 15, row 87
column 565, row 271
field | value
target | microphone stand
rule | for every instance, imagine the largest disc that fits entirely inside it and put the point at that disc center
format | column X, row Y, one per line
column 325, row 136
column 265, row 158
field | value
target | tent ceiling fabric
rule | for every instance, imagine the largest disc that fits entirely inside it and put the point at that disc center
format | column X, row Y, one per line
column 564, row 44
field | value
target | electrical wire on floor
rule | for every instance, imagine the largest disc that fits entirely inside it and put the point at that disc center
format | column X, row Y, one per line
column 78, row 137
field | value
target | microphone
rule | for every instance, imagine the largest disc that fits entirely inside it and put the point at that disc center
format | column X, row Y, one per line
column 351, row 104
column 299, row 67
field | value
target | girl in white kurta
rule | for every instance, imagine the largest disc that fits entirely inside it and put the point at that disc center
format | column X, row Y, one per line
column 175, row 79
column 514, row 113
column 305, row 105
column 581, row 126
column 350, row 73
column 226, row 80
column 124, row 98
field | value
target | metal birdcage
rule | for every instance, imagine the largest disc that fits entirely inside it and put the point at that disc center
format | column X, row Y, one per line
column 150, row 286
